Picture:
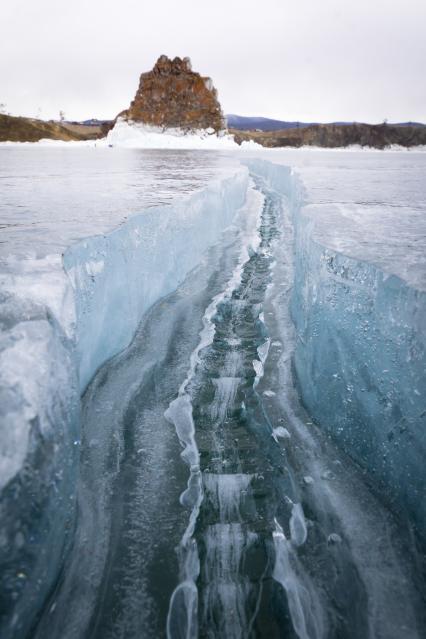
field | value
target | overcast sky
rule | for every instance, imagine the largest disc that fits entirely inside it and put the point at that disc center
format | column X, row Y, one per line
column 308, row 60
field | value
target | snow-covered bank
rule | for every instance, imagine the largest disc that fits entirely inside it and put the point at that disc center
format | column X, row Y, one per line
column 360, row 356
column 59, row 325
column 351, row 148
column 139, row 136
column 131, row 135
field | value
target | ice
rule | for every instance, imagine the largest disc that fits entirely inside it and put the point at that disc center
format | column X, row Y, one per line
column 182, row 621
column 150, row 253
column 81, row 266
column 225, row 544
column 61, row 318
column 233, row 359
column 303, row 601
column 258, row 369
column 368, row 205
column 226, row 389
column 24, row 344
column 179, row 413
column 359, row 308
column 39, row 424
column 282, row 432
column 263, row 350
column 54, row 197
column 226, row 491
column 298, row 530
column 226, row 591
column 232, row 341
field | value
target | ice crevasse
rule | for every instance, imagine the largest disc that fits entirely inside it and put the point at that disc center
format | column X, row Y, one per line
column 62, row 318
column 360, row 361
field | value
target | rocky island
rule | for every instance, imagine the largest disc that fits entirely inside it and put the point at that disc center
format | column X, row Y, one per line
column 173, row 96
column 176, row 107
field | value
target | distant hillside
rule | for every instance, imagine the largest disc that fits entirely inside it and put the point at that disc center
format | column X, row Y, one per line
column 416, row 124
column 338, row 135
column 16, row 129
column 243, row 123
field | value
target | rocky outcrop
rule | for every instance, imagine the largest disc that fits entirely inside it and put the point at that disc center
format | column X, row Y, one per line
column 174, row 96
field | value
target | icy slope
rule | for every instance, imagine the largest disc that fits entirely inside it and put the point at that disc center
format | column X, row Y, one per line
column 59, row 326
column 361, row 354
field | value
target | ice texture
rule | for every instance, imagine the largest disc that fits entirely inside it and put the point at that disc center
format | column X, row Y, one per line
column 61, row 320
column 40, row 438
column 150, row 254
column 360, row 320
column 303, row 601
column 298, row 528
column 53, row 197
column 358, row 307
column 366, row 205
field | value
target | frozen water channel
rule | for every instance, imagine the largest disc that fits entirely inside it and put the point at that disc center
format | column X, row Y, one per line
column 210, row 492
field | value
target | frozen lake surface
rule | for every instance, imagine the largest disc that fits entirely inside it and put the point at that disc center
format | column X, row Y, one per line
column 367, row 204
column 53, row 197
column 212, row 394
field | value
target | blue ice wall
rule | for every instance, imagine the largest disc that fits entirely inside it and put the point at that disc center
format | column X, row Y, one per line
column 117, row 277
column 360, row 357
column 51, row 348
column 361, row 365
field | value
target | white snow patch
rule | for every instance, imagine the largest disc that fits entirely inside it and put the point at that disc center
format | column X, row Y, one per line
column 142, row 136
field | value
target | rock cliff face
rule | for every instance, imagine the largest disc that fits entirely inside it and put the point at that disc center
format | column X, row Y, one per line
column 174, row 96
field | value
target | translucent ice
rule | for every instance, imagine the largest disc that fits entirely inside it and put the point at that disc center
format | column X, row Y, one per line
column 302, row 598
column 298, row 530
column 359, row 307
column 61, row 319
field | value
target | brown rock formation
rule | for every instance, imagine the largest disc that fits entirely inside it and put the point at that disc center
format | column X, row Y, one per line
column 174, row 96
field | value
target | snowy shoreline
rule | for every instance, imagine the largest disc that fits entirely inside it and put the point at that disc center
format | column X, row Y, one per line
column 199, row 144
column 138, row 136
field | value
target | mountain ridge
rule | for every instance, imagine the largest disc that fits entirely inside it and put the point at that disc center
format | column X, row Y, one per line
column 250, row 123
